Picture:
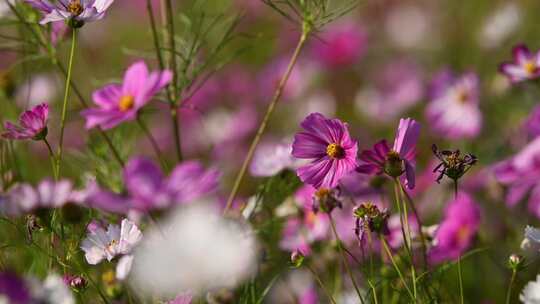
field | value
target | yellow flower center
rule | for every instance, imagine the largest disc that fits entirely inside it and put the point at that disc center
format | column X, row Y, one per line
column 463, row 234
column 322, row 193
column 126, row 103
column 530, row 67
column 463, row 96
column 75, row 7
column 335, row 151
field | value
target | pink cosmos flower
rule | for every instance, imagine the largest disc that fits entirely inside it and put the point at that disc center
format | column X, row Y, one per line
column 299, row 233
column 455, row 234
column 398, row 160
column 327, row 143
column 148, row 189
column 25, row 198
column 526, row 65
column 270, row 158
column 532, row 124
column 398, row 87
column 341, row 45
column 121, row 102
column 33, row 124
column 453, row 111
column 80, row 11
column 521, row 174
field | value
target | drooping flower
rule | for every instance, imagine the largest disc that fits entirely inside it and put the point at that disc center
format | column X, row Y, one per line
column 148, row 189
column 25, row 198
column 521, row 174
column 525, row 66
column 456, row 232
column 77, row 12
column 107, row 244
column 341, row 45
column 453, row 111
column 121, row 102
column 201, row 251
column 398, row 160
column 32, row 124
column 531, row 292
column 327, row 143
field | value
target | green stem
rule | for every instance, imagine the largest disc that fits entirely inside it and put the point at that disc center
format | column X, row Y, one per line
column 509, row 290
column 64, row 104
column 155, row 36
column 173, row 88
column 401, row 277
column 344, row 258
column 460, row 278
column 264, row 122
column 409, row 201
column 401, row 220
column 52, row 157
column 152, row 140
column 319, row 281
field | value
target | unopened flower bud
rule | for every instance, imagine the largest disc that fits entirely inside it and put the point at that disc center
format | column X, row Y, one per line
column 297, row 258
column 515, row 262
column 325, row 200
column 77, row 283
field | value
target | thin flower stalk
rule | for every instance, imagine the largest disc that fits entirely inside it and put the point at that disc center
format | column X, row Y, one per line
column 423, row 241
column 262, row 127
column 510, row 285
column 460, row 278
column 51, row 154
column 64, row 103
column 344, row 258
column 396, row 267
column 319, row 281
column 152, row 140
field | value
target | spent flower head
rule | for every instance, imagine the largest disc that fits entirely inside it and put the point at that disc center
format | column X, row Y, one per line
column 370, row 217
column 453, row 164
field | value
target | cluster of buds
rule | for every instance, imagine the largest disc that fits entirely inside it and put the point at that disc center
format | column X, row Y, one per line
column 326, row 200
column 370, row 217
column 453, row 163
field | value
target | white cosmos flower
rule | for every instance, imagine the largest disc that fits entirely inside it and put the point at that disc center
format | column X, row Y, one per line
column 194, row 250
column 52, row 291
column 531, row 293
column 117, row 240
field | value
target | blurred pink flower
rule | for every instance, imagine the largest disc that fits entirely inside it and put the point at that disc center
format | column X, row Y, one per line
column 458, row 229
column 398, row 86
column 453, row 111
column 33, row 124
column 340, row 45
column 521, row 173
column 121, row 102
column 25, row 198
column 525, row 65
column 328, row 144
column 270, row 158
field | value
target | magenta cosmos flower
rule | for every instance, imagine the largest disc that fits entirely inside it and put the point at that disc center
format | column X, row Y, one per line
column 328, row 144
column 398, row 160
column 147, row 188
column 453, row 111
column 32, row 124
column 526, row 65
column 341, row 45
column 75, row 11
column 121, row 102
column 456, row 233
